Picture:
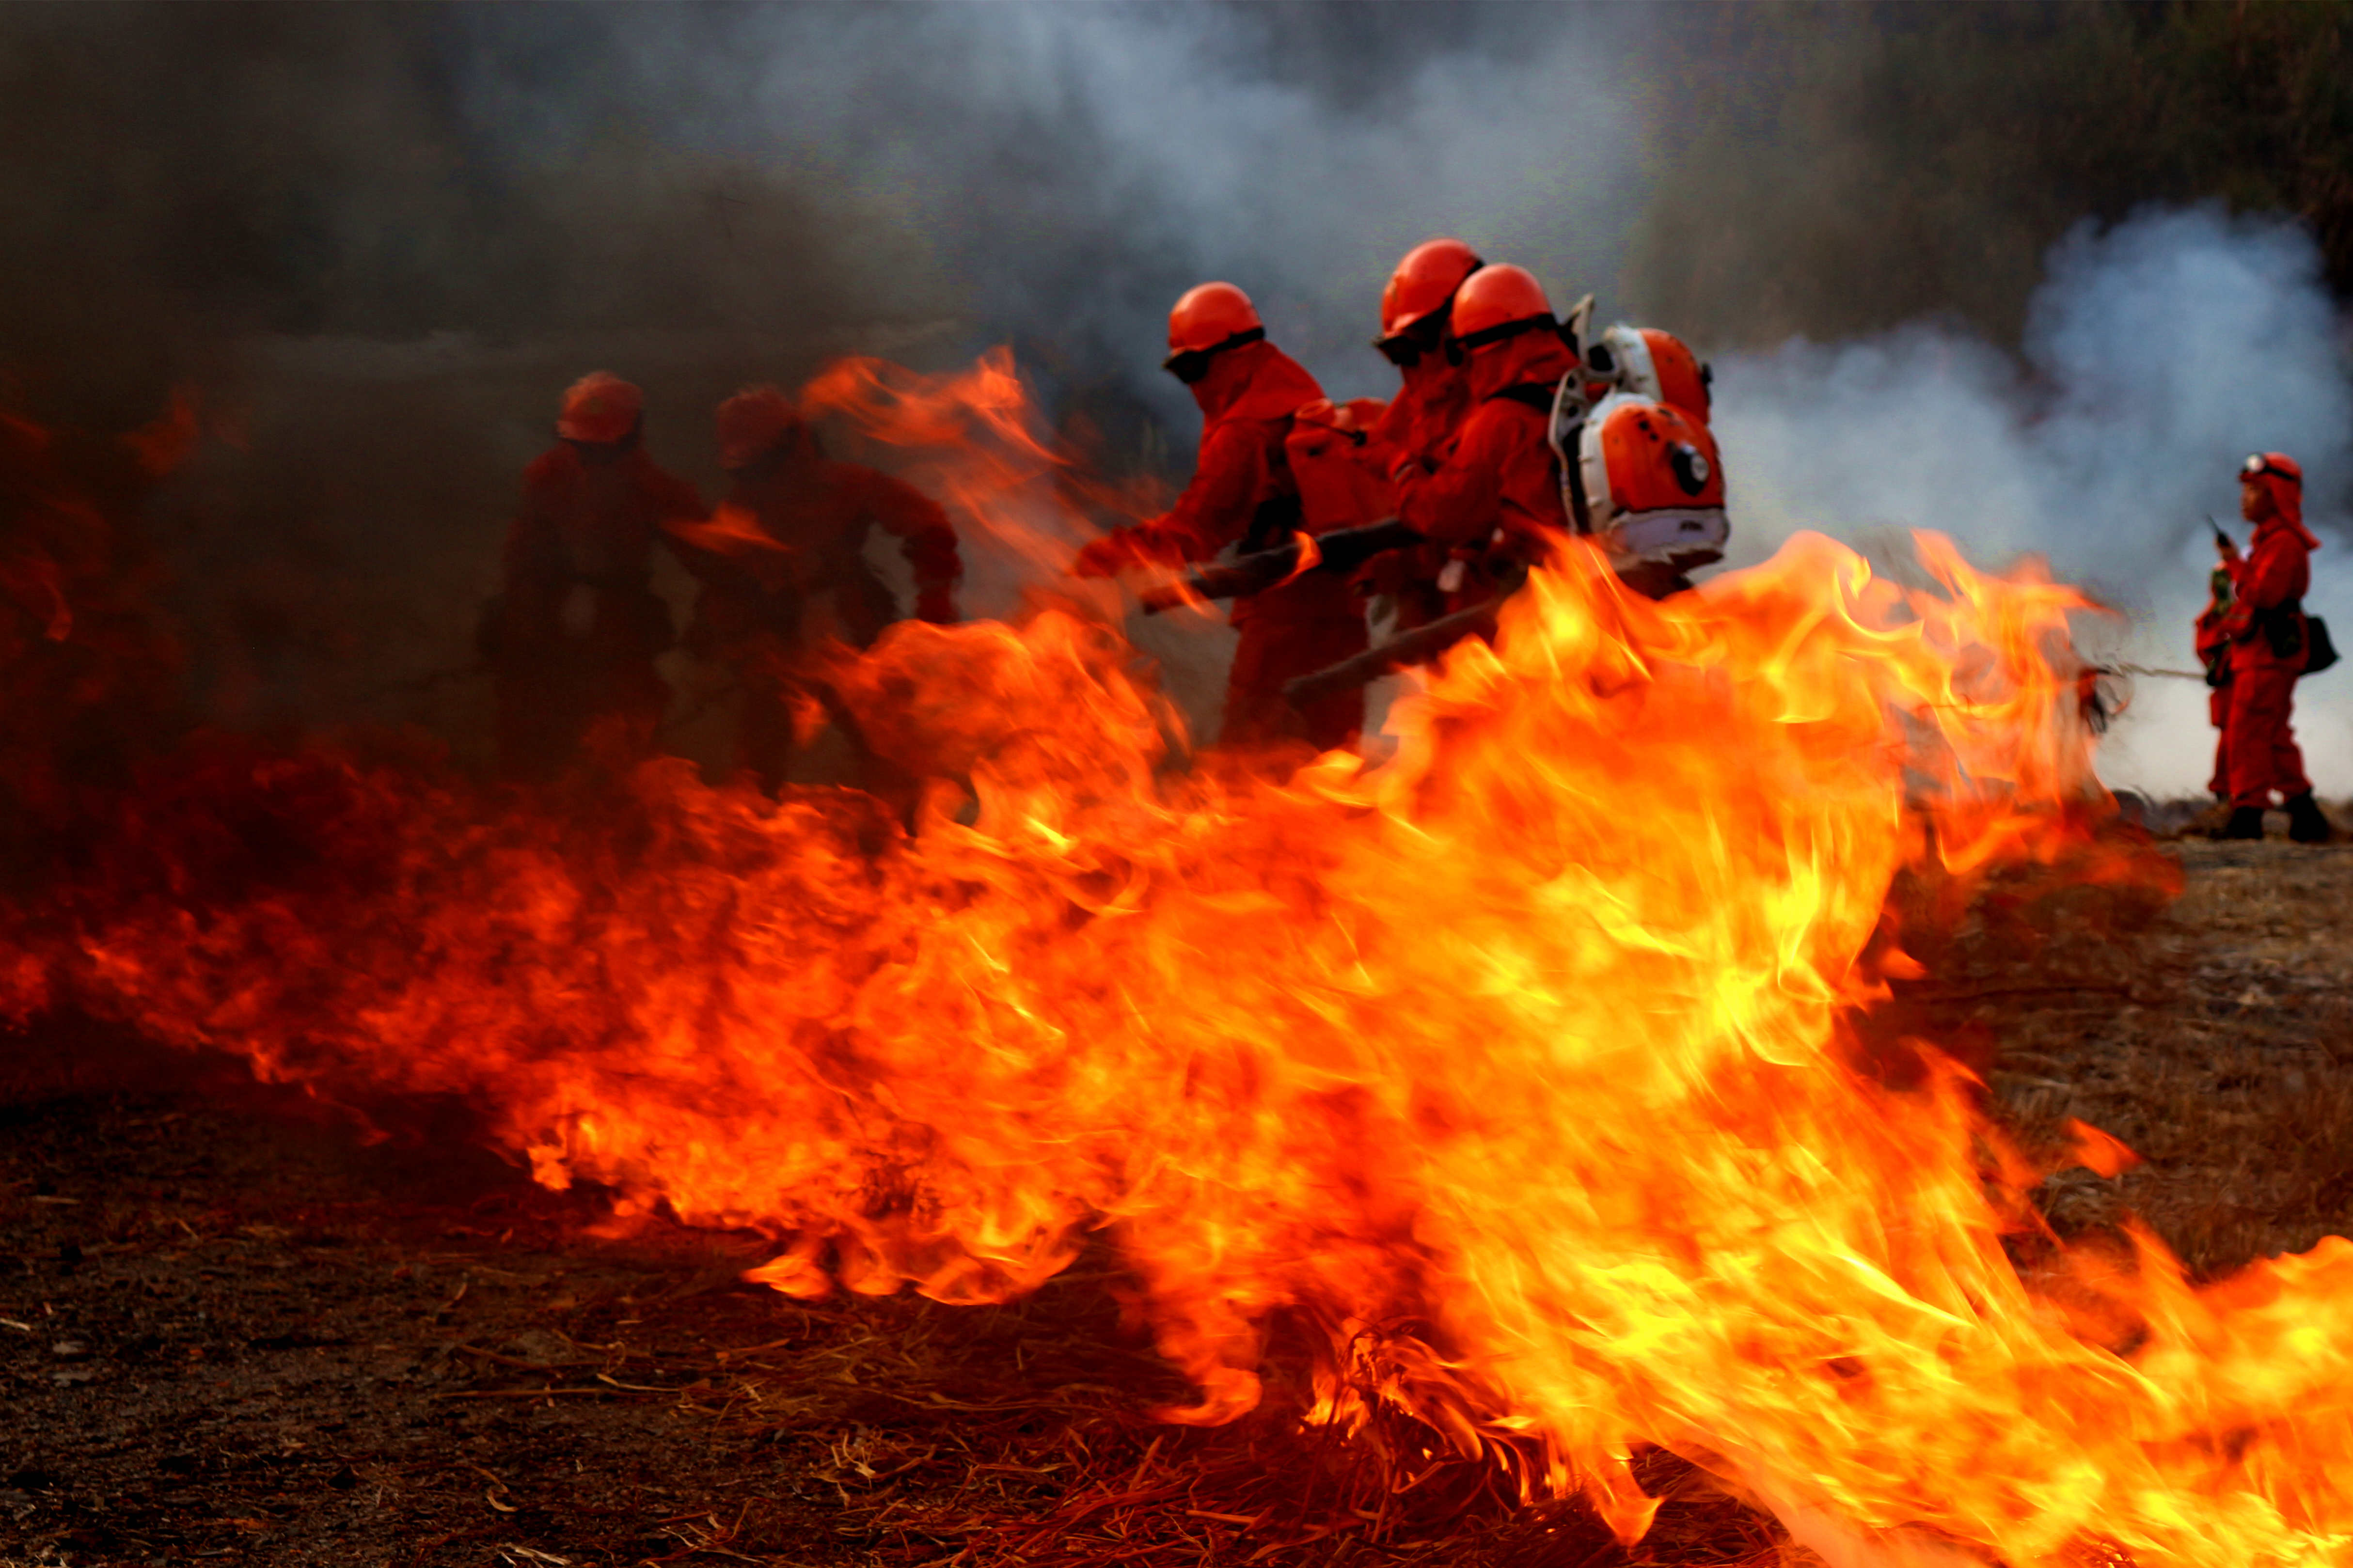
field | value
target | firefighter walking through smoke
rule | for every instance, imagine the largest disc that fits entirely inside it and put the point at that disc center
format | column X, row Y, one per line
column 784, row 573
column 571, row 638
column 2270, row 647
column 1244, row 493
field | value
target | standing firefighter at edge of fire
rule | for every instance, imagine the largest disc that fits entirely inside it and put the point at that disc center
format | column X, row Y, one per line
column 2213, row 645
column 571, row 638
column 2272, row 643
column 1244, row 493
column 783, row 569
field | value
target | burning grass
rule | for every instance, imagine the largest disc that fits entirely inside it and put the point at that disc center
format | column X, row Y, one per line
column 293, row 1347
column 234, row 1333
column 1463, row 1135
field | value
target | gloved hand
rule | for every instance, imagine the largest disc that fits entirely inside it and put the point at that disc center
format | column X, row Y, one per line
column 1105, row 557
column 936, row 604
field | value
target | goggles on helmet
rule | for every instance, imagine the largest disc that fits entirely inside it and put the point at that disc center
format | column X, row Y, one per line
column 2258, row 464
column 1189, row 365
column 1404, row 349
column 1463, row 348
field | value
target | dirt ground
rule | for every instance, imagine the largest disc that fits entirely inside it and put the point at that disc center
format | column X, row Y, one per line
column 231, row 1330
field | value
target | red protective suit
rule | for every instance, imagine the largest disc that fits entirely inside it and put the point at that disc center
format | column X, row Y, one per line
column 2257, row 741
column 572, row 637
column 1244, row 492
column 782, row 565
column 2213, row 645
column 1501, row 474
column 1419, row 426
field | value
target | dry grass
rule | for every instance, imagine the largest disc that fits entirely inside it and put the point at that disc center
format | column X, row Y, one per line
column 538, row 1395
column 2225, row 1061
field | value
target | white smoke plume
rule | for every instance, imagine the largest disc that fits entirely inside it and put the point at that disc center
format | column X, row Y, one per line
column 2158, row 355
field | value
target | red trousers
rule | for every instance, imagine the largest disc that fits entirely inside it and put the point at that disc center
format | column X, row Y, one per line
column 2257, row 743
column 1275, row 649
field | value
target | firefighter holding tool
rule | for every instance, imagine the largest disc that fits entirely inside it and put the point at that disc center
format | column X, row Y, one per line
column 1495, row 497
column 2272, row 643
column 571, row 638
column 2213, row 645
column 784, row 568
column 1245, row 494
column 1432, row 400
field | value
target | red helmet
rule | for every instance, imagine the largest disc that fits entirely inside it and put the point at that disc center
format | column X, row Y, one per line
column 1208, row 318
column 1498, row 302
column 1424, row 283
column 600, row 407
column 2278, row 464
column 1206, row 315
column 754, row 423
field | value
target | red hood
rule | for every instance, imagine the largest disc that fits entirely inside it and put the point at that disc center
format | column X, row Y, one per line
column 2288, row 497
column 1256, row 381
column 1537, row 358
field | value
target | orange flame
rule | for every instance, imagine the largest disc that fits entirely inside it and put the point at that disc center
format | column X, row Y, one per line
column 1528, row 1037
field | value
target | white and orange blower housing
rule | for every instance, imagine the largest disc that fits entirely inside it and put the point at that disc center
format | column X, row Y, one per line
column 1639, row 465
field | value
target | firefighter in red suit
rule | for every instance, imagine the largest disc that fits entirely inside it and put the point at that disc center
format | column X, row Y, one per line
column 2213, row 646
column 784, row 568
column 1496, row 495
column 1244, row 493
column 2265, row 625
column 570, row 639
column 1432, row 401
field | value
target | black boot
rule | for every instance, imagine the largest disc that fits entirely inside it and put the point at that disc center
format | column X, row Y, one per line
column 2246, row 822
column 2306, row 824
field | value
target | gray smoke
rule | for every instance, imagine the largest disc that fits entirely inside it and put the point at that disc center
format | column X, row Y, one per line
column 381, row 239
column 2158, row 353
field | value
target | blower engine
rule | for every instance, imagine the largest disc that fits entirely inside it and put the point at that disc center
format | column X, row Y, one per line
column 1639, row 467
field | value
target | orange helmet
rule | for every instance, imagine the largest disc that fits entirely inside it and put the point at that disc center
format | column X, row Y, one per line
column 599, row 408
column 1495, row 303
column 754, row 423
column 1206, row 315
column 1208, row 319
column 1417, row 295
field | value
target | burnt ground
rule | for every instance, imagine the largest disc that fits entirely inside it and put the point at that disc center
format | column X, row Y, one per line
column 232, row 1330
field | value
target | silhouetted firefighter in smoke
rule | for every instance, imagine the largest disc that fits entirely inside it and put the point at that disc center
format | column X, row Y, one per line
column 2273, row 644
column 1245, row 494
column 572, row 638
column 784, row 568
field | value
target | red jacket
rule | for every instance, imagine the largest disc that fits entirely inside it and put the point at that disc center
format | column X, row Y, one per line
column 1422, row 420
column 593, row 524
column 1502, row 473
column 822, row 513
column 2277, row 570
column 1247, row 402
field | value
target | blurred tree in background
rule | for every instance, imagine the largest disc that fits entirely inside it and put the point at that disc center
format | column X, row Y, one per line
column 1829, row 170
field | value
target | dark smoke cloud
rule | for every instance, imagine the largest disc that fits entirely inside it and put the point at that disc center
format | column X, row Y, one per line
column 387, row 236
column 382, row 238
